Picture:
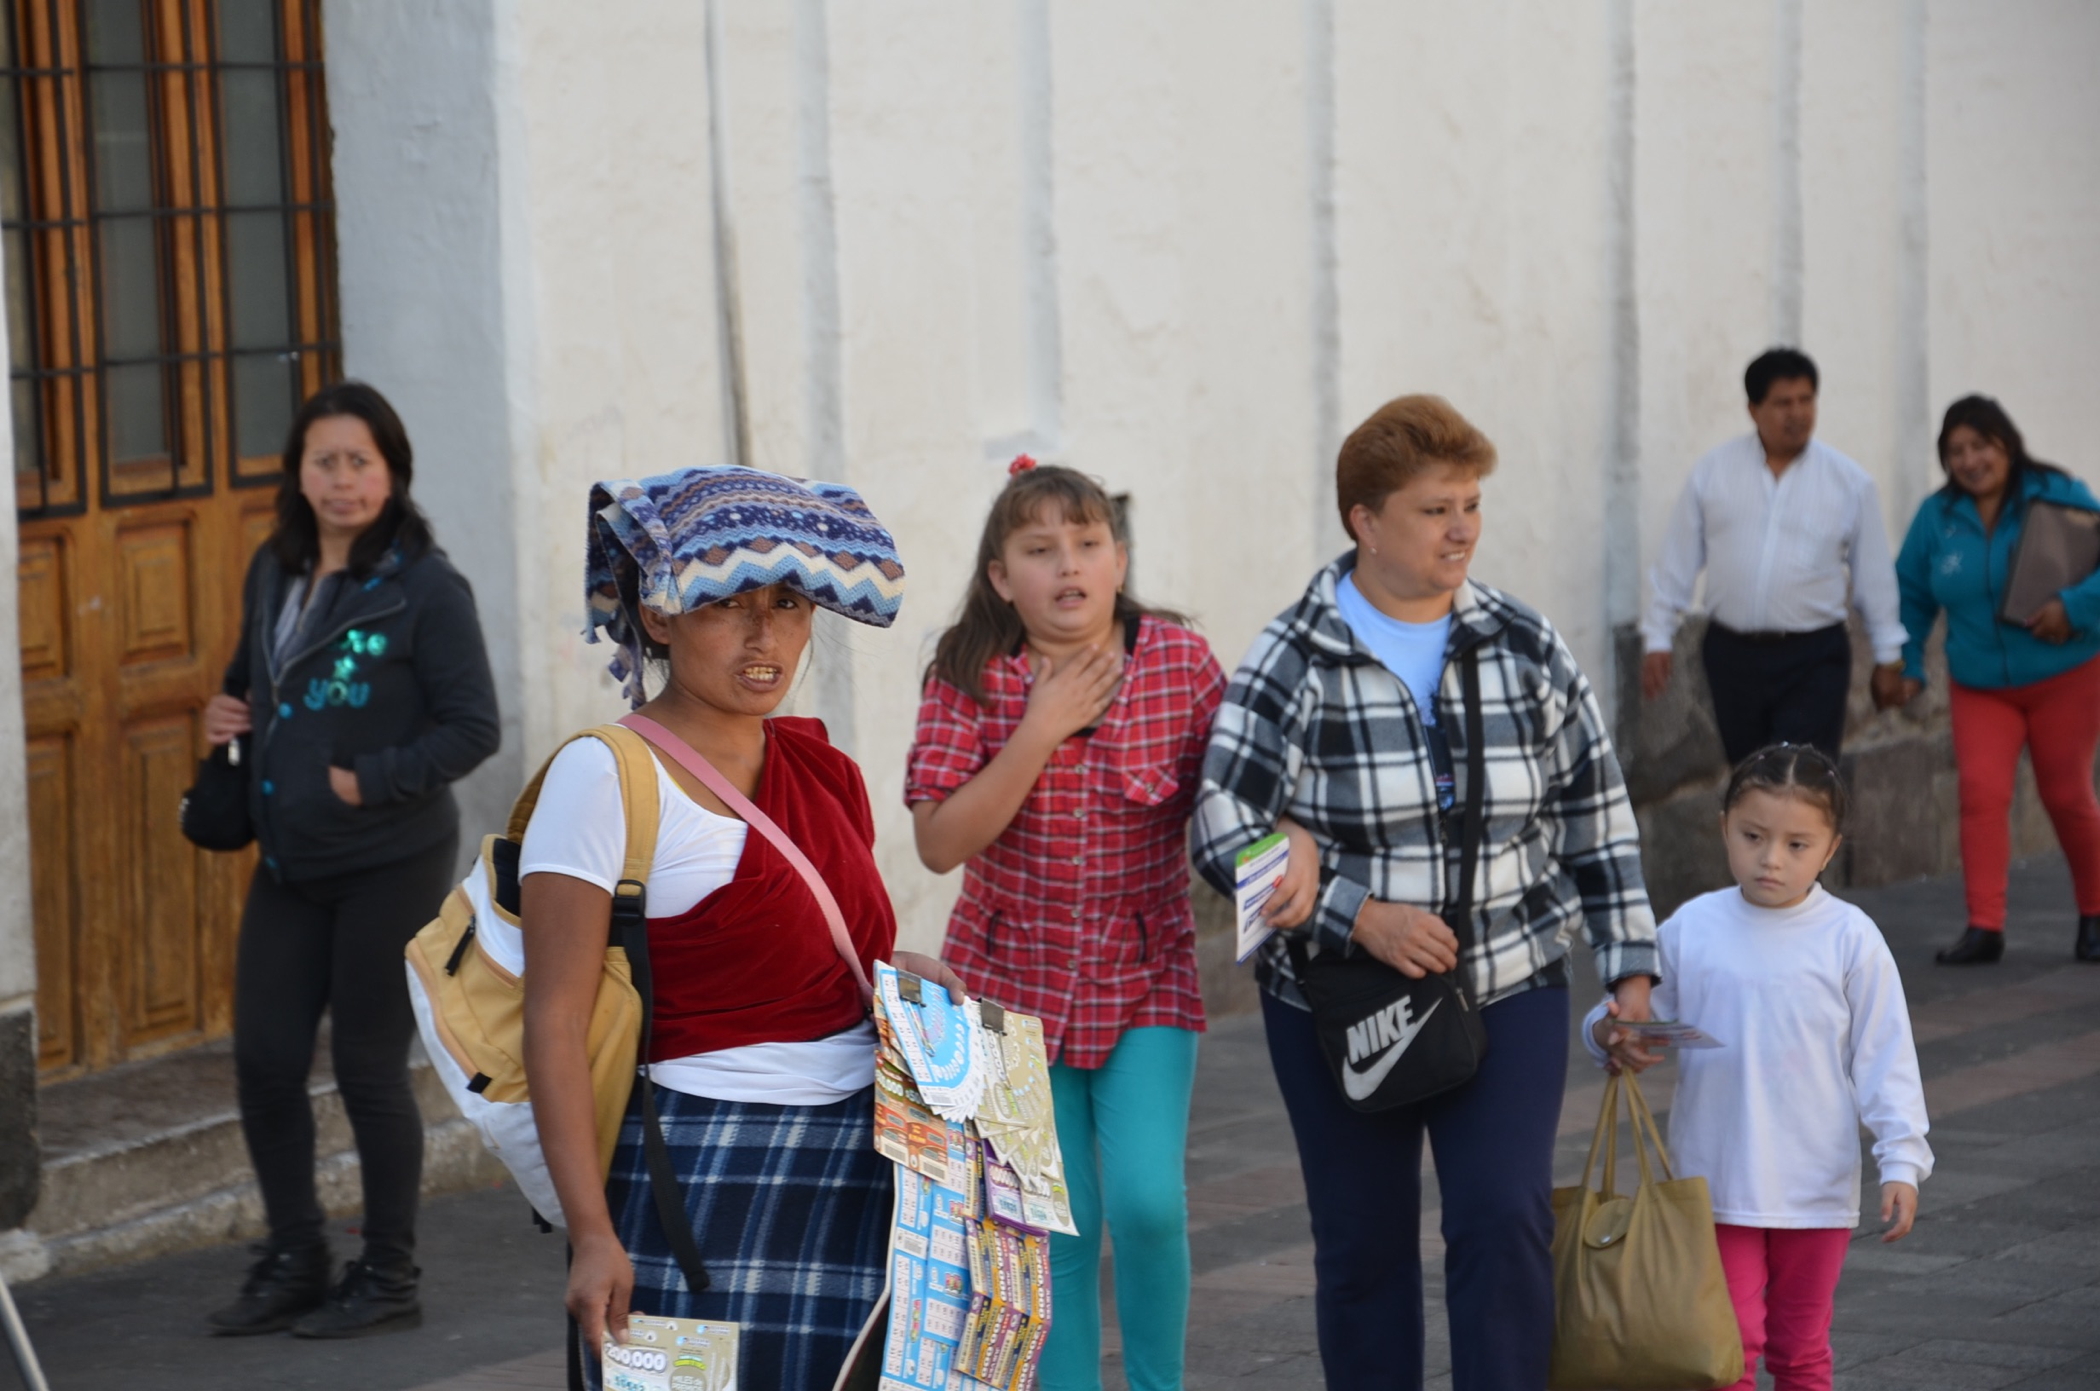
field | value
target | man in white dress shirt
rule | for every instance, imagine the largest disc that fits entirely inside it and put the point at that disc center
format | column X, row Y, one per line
column 1789, row 534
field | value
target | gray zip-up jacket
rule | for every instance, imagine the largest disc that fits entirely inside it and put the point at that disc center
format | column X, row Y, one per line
column 391, row 681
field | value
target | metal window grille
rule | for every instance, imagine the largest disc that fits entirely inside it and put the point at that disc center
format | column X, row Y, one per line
column 168, row 225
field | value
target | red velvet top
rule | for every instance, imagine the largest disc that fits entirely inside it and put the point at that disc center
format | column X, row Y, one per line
column 753, row 962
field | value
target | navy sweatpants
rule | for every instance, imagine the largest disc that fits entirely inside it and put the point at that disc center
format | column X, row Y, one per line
column 1493, row 1142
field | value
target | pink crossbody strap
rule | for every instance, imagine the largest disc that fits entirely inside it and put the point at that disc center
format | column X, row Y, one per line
column 712, row 779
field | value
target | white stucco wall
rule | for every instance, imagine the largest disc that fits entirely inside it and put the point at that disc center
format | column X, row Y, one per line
column 2014, row 196
column 1184, row 248
column 419, row 230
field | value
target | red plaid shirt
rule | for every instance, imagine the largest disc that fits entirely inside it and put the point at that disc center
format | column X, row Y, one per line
column 1079, row 911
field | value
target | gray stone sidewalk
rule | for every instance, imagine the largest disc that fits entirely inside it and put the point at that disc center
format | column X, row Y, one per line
column 1999, row 1285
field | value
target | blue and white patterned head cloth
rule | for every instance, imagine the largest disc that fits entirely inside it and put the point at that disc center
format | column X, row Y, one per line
column 678, row 541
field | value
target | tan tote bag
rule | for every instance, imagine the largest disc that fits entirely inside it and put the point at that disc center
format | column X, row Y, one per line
column 1639, row 1299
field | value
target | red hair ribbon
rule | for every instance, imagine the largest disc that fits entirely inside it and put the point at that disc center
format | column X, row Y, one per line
column 1021, row 464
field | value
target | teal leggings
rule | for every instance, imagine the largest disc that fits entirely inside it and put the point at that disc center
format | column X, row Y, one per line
column 1124, row 1130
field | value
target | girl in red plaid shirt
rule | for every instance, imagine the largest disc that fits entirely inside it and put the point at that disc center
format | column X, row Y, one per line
column 1057, row 756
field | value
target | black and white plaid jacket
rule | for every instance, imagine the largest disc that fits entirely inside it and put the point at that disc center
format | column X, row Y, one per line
column 1313, row 727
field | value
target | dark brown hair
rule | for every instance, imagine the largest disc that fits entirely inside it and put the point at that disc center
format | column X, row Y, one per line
column 988, row 627
column 297, row 539
column 1402, row 438
column 1791, row 770
column 1989, row 419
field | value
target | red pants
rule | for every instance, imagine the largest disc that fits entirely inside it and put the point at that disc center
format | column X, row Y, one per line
column 2058, row 720
column 1783, row 1282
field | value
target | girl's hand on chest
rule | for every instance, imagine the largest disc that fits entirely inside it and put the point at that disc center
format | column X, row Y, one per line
column 1072, row 694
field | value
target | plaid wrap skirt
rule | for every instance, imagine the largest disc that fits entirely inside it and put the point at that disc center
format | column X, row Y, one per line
column 792, row 1208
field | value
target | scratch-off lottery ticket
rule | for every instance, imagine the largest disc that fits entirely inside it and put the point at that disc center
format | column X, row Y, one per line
column 665, row 1354
column 929, row 1280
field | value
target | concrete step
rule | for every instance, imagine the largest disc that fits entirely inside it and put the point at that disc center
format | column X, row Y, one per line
column 148, row 1159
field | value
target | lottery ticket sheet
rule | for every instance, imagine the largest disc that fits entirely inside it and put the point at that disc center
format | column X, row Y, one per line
column 1018, row 1120
column 938, row 1041
column 929, row 1280
column 969, row 1295
column 969, row 1263
column 665, row 1354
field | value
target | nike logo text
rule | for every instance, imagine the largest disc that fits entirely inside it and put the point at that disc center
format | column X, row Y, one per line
column 1383, row 1037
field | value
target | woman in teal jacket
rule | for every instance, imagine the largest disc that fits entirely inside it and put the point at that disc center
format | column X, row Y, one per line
column 2037, row 685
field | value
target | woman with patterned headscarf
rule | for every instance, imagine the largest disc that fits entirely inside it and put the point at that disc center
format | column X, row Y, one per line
column 761, row 1057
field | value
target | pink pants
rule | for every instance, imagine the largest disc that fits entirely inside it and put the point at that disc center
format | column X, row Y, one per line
column 1783, row 1282
column 2058, row 720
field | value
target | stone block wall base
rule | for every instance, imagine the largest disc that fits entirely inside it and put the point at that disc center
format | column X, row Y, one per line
column 1905, row 816
column 454, row 1160
column 149, row 1159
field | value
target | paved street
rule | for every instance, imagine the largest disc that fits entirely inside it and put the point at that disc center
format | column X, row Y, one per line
column 1999, row 1286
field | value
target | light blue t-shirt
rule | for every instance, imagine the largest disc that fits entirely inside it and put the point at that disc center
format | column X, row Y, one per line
column 1414, row 652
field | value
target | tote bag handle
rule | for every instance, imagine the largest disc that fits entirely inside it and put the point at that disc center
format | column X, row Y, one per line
column 711, row 778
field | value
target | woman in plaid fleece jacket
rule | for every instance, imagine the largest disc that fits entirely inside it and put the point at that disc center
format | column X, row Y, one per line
column 1343, row 727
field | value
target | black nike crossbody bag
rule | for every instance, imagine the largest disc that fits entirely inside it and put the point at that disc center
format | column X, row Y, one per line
column 1390, row 1039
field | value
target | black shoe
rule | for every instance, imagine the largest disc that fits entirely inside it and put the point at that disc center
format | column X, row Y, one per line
column 2088, row 948
column 369, row 1299
column 283, row 1284
column 1977, row 947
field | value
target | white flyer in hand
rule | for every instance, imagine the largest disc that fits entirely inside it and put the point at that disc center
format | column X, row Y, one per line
column 1669, row 1032
column 1257, row 871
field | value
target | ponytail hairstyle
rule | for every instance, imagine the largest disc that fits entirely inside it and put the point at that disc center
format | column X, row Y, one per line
column 1801, row 771
column 988, row 627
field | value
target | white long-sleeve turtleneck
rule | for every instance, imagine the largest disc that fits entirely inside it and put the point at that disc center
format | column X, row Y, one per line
column 1810, row 1010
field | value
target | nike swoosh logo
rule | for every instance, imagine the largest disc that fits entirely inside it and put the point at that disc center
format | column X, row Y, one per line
column 1358, row 1085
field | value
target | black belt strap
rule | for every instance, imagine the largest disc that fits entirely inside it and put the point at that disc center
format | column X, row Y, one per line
column 630, row 928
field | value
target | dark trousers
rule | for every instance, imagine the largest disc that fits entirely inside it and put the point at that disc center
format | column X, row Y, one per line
column 334, row 944
column 1788, row 689
column 1493, row 1142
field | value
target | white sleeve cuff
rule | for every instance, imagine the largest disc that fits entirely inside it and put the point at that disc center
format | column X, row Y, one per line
column 1589, row 1031
column 1902, row 1171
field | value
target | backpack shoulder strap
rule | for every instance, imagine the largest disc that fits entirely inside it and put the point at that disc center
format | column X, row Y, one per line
column 640, row 803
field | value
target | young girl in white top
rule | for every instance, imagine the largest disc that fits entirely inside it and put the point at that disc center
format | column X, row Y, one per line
column 1802, row 994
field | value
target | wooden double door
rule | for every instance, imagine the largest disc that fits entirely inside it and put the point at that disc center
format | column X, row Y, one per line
column 170, row 298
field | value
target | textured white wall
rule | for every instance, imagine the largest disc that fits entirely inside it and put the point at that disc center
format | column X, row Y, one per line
column 413, row 100
column 1183, row 247
column 1474, row 251
column 2014, row 225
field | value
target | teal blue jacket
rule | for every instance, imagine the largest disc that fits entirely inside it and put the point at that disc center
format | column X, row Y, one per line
column 1949, row 562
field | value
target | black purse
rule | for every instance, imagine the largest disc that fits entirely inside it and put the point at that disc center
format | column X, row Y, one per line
column 215, row 809
column 1392, row 1040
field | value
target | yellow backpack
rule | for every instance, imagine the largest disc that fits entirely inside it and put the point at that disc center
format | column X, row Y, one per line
column 466, row 979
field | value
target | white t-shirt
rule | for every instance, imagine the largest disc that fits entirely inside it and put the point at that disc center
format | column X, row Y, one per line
column 1810, row 1010
column 1414, row 652
column 580, row 829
